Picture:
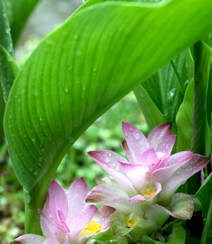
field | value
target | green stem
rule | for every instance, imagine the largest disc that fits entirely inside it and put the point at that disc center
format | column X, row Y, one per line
column 202, row 57
column 32, row 216
column 34, row 200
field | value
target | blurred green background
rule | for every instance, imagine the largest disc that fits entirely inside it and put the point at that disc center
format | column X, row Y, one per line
column 105, row 133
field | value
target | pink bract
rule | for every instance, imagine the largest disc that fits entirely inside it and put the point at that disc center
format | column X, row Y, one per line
column 150, row 173
column 67, row 218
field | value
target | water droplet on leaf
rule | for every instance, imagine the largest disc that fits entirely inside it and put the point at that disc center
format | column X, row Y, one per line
column 66, row 90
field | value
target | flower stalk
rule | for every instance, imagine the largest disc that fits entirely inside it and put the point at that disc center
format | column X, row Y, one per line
column 32, row 217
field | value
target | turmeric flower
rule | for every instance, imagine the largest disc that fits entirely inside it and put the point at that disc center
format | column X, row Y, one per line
column 150, row 174
column 66, row 217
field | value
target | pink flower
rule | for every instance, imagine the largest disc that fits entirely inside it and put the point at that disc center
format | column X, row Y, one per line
column 66, row 218
column 151, row 174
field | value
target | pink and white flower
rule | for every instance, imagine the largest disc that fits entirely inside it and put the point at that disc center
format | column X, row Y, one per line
column 66, row 217
column 149, row 175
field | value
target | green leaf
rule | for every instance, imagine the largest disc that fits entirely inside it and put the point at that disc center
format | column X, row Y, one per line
column 5, row 37
column 200, row 141
column 203, row 57
column 2, row 107
column 204, row 195
column 6, row 49
column 18, row 13
column 184, row 119
column 106, row 237
column 192, row 240
column 208, row 39
column 8, row 71
column 149, row 108
column 167, row 87
column 207, row 232
column 177, row 236
column 209, row 104
column 163, row 93
column 82, row 69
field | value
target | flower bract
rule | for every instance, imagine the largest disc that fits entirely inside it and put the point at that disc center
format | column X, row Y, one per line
column 66, row 218
column 148, row 176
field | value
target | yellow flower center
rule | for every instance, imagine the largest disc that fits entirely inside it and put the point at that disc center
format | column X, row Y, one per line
column 149, row 191
column 130, row 222
column 91, row 228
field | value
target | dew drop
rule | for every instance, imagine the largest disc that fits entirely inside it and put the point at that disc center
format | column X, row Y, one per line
column 76, row 36
column 171, row 93
column 78, row 52
column 114, row 166
column 66, row 90
column 107, row 160
column 7, row 31
column 186, row 83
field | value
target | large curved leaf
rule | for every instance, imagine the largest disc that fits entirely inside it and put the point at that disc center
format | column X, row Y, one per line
column 83, row 68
